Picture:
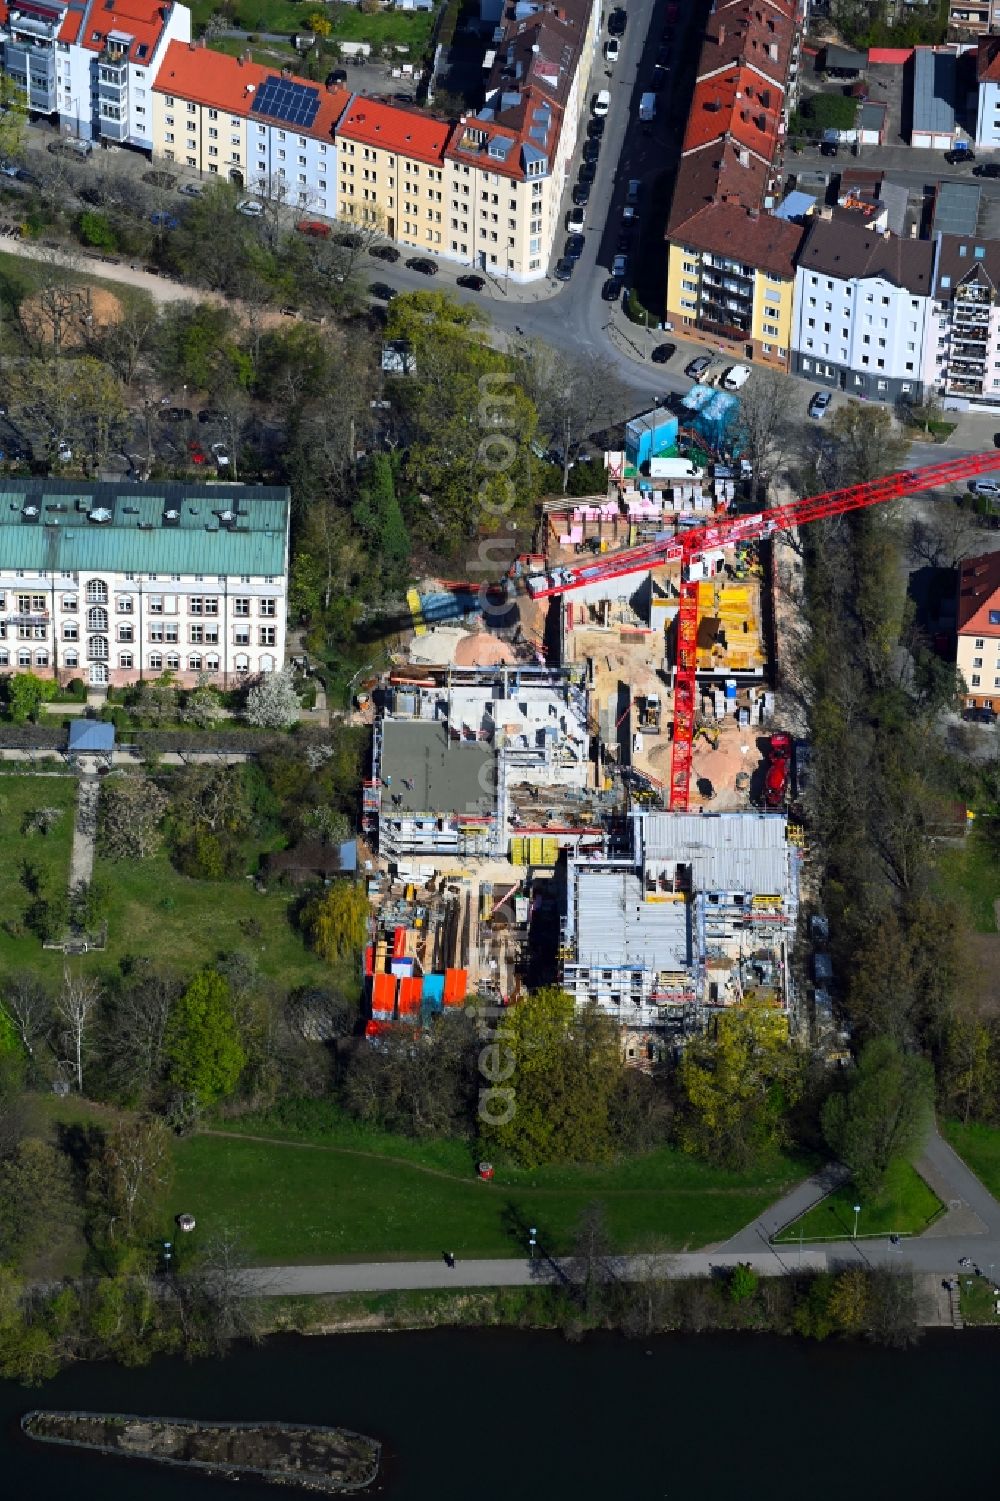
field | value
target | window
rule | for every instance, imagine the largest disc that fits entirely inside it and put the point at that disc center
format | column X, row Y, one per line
column 241, row 606
column 155, row 604
column 975, row 680
column 211, row 664
column 241, row 635
column 69, row 602
column 197, row 634
column 124, row 604
column 41, row 659
column 195, row 604
column 97, row 592
column 241, row 663
column 97, row 648
column 70, row 658
column 977, row 661
column 266, row 635
column 173, row 661
column 125, row 659
column 125, row 633
column 24, row 658
column 97, row 619
column 71, row 631
column 194, row 663
column 155, row 661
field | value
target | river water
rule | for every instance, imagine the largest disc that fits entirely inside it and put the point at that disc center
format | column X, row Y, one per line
column 494, row 1416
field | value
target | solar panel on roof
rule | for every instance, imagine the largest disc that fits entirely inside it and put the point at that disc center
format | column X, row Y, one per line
column 293, row 103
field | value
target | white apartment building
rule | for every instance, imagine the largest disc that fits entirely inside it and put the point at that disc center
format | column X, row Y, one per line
column 988, row 98
column 117, row 583
column 862, row 311
column 92, row 65
column 962, row 349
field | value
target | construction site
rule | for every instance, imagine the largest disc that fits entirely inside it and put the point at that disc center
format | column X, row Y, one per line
column 620, row 810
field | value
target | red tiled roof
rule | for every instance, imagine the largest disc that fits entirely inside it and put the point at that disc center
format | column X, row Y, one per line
column 729, row 229
column 393, row 128
column 142, row 20
column 738, row 104
column 69, row 31
column 471, row 139
column 720, row 172
column 988, row 59
column 978, row 595
column 758, row 33
column 194, row 72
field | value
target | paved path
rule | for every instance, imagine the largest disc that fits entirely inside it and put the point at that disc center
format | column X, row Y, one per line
column 81, row 865
column 158, row 287
column 793, row 1204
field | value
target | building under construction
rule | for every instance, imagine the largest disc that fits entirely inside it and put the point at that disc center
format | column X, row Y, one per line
column 456, row 753
column 697, row 915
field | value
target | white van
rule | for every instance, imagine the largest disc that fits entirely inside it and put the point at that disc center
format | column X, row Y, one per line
column 601, row 103
column 736, row 377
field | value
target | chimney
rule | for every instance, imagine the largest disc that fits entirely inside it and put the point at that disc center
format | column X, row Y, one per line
column 721, row 37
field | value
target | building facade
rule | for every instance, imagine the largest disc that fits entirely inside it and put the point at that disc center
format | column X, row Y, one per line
column 988, row 93
column 92, row 66
column 119, row 583
column 862, row 309
column 228, row 117
column 962, row 348
column 391, row 172
column 730, row 260
column 978, row 625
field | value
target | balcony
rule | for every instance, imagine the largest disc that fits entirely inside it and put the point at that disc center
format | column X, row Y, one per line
column 719, row 329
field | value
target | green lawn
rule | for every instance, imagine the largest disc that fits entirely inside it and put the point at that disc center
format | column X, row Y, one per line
column 907, row 1207
column 48, row 854
column 979, row 1146
column 970, row 875
column 299, row 1203
column 410, row 29
column 978, row 1301
column 157, row 912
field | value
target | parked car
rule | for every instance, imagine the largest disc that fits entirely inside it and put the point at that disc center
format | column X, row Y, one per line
column 802, row 764
column 382, row 291
column 191, row 189
column 591, row 150
column 736, row 377
column 70, row 148
column 988, row 169
column 63, row 452
column 619, row 266
column 176, row 414
column 617, row 21
column 819, row 404
column 574, row 247
column 196, row 452
column 959, row 155
column 612, row 289
column 349, row 239
column 163, row 220
column 698, row 366
column 612, row 49
column 984, row 486
column 339, row 75
column 220, row 454
column 421, row 264
column 588, row 172
column 472, row 283
column 601, row 102
column 32, row 178
column 385, row 253
column 251, row 208
column 633, row 191
column 159, row 179
column 575, row 218
column 210, row 414
column 315, row 228
column 596, row 127
column 828, row 148
column 663, row 353
column 978, row 715
column 8, row 169
column 564, row 269
column 581, row 192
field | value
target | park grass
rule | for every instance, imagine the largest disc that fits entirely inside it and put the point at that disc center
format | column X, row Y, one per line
column 49, row 854
column 970, row 875
column 296, row 1202
column 170, row 918
column 906, row 1207
column 410, row 29
column 979, row 1148
column 977, row 1300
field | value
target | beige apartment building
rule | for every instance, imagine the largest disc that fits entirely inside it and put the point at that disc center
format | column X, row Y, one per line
column 978, row 650
column 391, row 172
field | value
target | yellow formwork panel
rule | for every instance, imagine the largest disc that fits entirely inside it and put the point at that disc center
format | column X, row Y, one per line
column 416, row 612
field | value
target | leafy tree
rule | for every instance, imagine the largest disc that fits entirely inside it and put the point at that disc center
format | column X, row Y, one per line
column 201, row 707
column 555, row 1074
column 737, row 1087
column 867, row 444
column 743, row 1283
column 969, row 1073
column 272, row 702
column 25, row 695
column 27, row 1349
column 36, row 1199
column 883, row 1115
column 848, row 1303
column 133, row 1029
column 420, row 1087
column 377, row 514
column 337, row 921
column 131, row 1175
column 95, row 230
column 204, row 1053
column 130, row 816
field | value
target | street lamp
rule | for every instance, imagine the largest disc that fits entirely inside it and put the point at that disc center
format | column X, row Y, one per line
column 857, row 1211
column 532, row 1240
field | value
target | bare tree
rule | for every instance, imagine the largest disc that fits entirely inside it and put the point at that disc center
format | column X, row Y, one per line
column 761, row 431
column 944, row 537
column 75, row 1009
column 134, row 1172
column 222, row 1293
column 132, row 1042
column 572, row 396
column 26, row 1002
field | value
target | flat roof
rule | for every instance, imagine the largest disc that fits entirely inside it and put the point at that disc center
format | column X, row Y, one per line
column 745, row 852
column 617, row 927
column 431, row 773
column 91, row 735
column 956, row 209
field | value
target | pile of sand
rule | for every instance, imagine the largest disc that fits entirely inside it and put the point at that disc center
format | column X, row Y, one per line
column 481, row 649
column 69, row 314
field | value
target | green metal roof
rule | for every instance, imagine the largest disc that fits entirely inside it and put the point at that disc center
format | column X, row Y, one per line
column 59, row 526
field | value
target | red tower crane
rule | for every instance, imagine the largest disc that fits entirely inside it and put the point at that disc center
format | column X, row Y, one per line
column 690, row 546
